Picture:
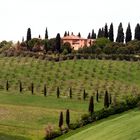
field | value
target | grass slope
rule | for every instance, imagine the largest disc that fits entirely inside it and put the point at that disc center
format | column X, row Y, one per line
column 119, row 127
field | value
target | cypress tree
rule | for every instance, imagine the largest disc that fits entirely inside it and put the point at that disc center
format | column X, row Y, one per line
column 58, row 92
column 84, row 95
column 32, row 88
column 79, row 34
column 20, row 86
column 68, row 33
column 7, row 85
column 65, row 34
column 45, row 90
column 106, row 100
column 93, row 35
column 110, row 99
column 128, row 34
column 68, row 117
column 46, row 33
column 91, row 105
column 29, row 34
column 70, row 93
column 58, row 43
column 137, row 32
column 61, row 120
column 120, row 34
column 111, row 33
column 99, row 33
column 89, row 36
column 97, row 96
column 106, row 31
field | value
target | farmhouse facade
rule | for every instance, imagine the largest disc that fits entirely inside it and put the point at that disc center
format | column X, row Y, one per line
column 77, row 42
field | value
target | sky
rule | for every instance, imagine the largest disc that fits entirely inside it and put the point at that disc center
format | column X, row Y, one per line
column 16, row 16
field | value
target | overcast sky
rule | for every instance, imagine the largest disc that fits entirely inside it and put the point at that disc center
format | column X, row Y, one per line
column 64, row 15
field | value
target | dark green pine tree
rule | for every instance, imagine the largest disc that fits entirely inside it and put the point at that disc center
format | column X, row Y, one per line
column 79, row 34
column 97, row 96
column 20, row 87
column 58, row 92
column 91, row 105
column 106, row 100
column 68, row 33
column 128, row 34
column 111, row 33
column 70, row 93
column 89, row 36
column 99, row 33
column 68, row 118
column 46, row 33
column 103, row 32
column 106, row 31
column 120, row 34
column 61, row 120
column 29, row 34
column 137, row 32
column 45, row 90
column 58, row 43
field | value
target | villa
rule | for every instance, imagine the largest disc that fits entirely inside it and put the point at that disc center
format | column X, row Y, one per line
column 77, row 42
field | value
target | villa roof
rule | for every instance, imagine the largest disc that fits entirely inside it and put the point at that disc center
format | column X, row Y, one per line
column 73, row 37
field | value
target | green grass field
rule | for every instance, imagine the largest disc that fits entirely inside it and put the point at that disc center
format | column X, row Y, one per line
column 124, row 126
column 26, row 115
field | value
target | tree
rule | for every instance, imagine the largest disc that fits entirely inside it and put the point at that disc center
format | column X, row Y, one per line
column 89, row 36
column 61, row 120
column 65, row 34
column 111, row 33
column 29, row 34
column 97, row 96
column 110, row 99
column 68, row 117
column 137, row 32
column 84, row 95
column 99, row 33
column 46, row 33
column 58, row 43
column 79, row 34
column 7, row 85
column 120, row 34
column 128, row 34
column 58, row 92
column 106, row 31
column 45, row 90
column 91, row 105
column 32, row 88
column 70, row 93
column 20, row 86
column 93, row 35
column 106, row 100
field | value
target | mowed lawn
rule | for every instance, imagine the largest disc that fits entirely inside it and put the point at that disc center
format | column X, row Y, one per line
column 125, row 126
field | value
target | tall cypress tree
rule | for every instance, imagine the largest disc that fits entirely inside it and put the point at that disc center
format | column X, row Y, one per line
column 93, row 34
column 68, row 117
column 58, row 43
column 91, row 105
column 61, row 120
column 106, row 31
column 111, row 33
column 128, row 34
column 20, row 86
column 120, row 34
column 32, row 88
column 106, row 100
column 70, row 93
column 84, row 95
column 45, row 90
column 137, row 32
column 29, row 34
column 46, row 33
column 97, row 96
column 7, row 85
